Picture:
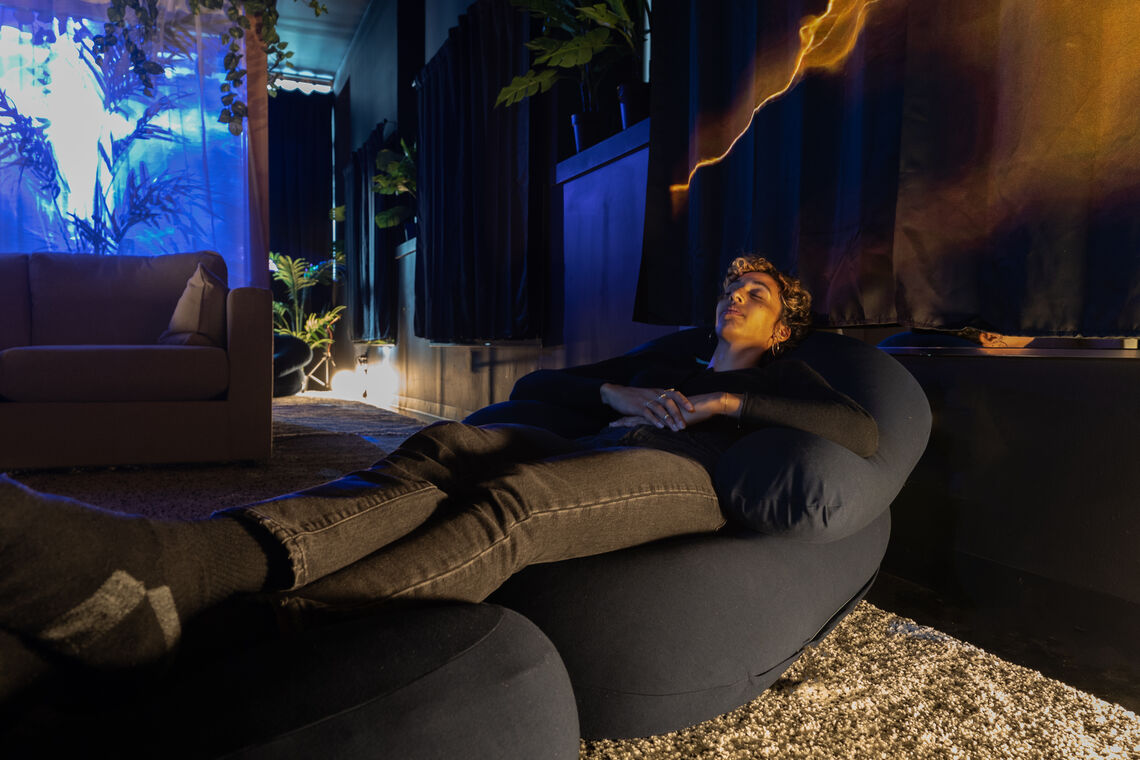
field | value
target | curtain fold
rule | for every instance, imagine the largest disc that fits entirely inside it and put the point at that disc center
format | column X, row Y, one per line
column 372, row 276
column 300, row 174
column 965, row 163
column 481, row 251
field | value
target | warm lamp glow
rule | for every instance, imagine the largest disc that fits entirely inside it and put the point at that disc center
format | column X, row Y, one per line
column 376, row 382
column 346, row 384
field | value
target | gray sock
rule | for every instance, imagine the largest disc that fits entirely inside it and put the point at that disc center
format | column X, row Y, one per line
column 112, row 590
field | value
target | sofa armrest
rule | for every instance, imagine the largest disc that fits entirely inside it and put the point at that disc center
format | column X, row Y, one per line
column 249, row 343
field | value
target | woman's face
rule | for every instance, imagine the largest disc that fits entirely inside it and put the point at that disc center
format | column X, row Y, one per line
column 748, row 314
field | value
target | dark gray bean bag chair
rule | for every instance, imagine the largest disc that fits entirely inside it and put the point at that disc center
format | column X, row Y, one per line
column 663, row 636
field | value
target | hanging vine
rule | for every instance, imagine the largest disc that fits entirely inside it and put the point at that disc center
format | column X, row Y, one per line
column 133, row 25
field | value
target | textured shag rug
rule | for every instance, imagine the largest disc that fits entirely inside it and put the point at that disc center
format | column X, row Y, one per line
column 882, row 686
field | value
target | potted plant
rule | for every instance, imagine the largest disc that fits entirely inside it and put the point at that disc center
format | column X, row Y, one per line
column 292, row 316
column 585, row 43
column 396, row 175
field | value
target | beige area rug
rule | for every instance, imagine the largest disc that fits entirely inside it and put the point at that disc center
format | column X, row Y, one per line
column 315, row 440
column 882, row 686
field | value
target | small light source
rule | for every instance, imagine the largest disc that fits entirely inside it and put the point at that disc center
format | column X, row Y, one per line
column 347, row 384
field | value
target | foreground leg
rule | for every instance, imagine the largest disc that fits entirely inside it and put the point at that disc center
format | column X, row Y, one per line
column 114, row 590
column 568, row 506
column 108, row 589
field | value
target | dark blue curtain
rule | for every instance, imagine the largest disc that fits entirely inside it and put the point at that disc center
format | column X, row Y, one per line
column 483, row 178
column 372, row 277
column 953, row 171
column 300, row 175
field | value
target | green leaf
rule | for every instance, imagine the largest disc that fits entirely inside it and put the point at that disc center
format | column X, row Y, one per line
column 387, row 158
column 600, row 15
column 578, row 51
column 553, row 13
column 544, row 45
column 530, row 83
column 392, row 217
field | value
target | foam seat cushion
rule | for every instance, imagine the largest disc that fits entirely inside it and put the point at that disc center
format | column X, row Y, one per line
column 113, row 373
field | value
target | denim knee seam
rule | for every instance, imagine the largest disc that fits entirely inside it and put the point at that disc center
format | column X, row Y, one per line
column 573, row 507
column 383, row 501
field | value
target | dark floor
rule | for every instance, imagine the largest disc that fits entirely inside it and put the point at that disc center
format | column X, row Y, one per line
column 1087, row 643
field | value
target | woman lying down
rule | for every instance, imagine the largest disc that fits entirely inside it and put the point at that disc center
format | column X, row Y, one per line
column 450, row 514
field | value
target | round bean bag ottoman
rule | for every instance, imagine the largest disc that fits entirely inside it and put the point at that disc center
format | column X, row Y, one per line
column 462, row 680
column 419, row 683
column 663, row 636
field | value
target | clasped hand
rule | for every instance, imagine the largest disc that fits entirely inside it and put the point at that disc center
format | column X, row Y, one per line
column 661, row 407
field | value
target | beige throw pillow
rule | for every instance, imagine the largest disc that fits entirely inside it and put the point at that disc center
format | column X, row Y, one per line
column 200, row 317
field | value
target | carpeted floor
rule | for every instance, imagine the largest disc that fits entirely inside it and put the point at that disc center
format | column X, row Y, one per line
column 880, row 686
column 314, row 440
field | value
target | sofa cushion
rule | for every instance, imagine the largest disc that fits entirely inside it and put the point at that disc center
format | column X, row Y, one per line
column 108, row 300
column 199, row 318
column 15, row 305
column 113, row 373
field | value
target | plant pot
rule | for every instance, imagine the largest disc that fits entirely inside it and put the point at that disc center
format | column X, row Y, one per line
column 633, row 98
column 589, row 128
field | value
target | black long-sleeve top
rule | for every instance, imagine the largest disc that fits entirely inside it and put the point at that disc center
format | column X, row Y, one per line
column 783, row 392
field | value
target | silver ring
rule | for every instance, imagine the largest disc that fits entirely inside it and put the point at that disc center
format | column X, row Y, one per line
column 648, row 404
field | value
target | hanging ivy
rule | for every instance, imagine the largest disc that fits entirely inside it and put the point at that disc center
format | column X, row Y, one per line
column 135, row 32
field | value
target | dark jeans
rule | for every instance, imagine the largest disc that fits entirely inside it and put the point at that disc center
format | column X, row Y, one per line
column 456, row 510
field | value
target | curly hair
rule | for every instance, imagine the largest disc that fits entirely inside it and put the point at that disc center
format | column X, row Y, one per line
column 794, row 297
